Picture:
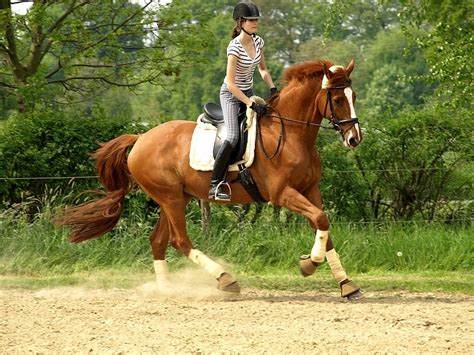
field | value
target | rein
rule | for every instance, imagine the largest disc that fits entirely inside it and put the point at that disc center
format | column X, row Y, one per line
column 333, row 120
column 280, row 137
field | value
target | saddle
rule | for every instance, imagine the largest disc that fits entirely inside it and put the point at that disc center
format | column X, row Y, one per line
column 213, row 115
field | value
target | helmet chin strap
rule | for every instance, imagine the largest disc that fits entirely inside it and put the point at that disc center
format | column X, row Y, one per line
column 250, row 34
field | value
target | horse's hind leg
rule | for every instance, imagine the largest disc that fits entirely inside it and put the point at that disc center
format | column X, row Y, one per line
column 159, row 240
column 175, row 210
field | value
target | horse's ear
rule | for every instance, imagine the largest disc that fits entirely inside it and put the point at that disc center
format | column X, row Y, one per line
column 350, row 67
column 327, row 72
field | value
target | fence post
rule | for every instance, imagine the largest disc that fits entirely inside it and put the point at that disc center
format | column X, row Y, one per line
column 205, row 215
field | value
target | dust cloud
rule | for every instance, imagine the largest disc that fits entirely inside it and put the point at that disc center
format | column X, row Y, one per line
column 190, row 283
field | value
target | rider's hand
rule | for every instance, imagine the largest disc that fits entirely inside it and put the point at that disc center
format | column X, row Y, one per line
column 260, row 109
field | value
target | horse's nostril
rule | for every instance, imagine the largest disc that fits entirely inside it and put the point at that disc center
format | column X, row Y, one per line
column 353, row 142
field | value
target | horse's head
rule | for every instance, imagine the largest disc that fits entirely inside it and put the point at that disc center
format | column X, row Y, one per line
column 336, row 103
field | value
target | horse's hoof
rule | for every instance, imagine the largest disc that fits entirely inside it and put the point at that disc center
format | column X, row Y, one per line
column 351, row 291
column 307, row 266
column 227, row 283
column 355, row 296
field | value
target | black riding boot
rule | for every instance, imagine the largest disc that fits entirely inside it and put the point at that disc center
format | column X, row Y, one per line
column 219, row 190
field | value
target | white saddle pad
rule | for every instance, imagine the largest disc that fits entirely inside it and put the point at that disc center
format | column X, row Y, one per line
column 202, row 143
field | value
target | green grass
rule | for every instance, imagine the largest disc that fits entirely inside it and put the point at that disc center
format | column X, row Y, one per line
column 105, row 278
column 406, row 256
column 455, row 282
column 445, row 282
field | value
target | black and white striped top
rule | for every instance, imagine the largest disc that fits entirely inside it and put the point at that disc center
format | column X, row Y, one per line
column 245, row 64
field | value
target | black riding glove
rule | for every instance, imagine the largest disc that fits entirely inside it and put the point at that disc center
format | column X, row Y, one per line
column 273, row 91
column 260, row 109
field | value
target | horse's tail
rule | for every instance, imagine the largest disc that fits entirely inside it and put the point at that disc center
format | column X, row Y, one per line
column 93, row 219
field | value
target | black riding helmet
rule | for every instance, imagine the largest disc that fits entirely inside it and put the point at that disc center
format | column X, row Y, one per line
column 246, row 10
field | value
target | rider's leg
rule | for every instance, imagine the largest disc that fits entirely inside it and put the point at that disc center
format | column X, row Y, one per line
column 230, row 108
column 217, row 190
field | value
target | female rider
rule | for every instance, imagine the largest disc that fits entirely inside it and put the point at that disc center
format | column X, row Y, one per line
column 244, row 53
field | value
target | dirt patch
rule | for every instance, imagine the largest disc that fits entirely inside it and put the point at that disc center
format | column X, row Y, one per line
column 196, row 318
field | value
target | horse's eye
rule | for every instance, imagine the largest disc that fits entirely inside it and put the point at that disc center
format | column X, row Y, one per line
column 338, row 100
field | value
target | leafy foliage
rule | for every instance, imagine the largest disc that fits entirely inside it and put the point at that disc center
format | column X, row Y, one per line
column 52, row 144
column 443, row 30
column 81, row 47
column 410, row 165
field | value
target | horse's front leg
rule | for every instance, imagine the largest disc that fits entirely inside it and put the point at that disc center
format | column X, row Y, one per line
column 297, row 202
column 311, row 208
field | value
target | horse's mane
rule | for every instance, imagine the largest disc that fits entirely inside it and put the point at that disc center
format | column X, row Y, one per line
column 306, row 70
column 301, row 72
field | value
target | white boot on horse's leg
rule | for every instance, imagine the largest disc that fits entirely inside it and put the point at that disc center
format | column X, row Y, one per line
column 349, row 288
column 318, row 252
column 225, row 281
column 161, row 273
column 309, row 263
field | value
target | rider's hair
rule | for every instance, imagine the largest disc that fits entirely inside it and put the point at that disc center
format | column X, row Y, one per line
column 237, row 28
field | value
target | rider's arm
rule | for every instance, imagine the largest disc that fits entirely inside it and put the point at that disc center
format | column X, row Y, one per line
column 262, row 68
column 230, row 79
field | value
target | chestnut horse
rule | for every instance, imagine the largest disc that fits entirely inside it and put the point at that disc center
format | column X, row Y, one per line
column 159, row 164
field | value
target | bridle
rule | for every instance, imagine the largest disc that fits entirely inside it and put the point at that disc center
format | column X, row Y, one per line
column 333, row 120
column 336, row 123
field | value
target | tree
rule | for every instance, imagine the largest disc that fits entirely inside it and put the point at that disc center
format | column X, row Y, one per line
column 394, row 69
column 288, row 24
column 82, row 46
column 338, row 52
column 359, row 21
column 387, row 91
column 184, row 96
column 443, row 30
column 409, row 161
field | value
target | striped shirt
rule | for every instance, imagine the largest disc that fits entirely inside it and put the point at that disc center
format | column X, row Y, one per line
column 245, row 64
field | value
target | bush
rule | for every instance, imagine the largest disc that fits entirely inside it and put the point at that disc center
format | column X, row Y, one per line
column 51, row 143
column 411, row 165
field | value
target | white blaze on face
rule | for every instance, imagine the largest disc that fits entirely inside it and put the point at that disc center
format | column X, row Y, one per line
column 358, row 136
column 348, row 93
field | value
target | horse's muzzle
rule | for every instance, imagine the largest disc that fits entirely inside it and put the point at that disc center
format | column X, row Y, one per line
column 353, row 136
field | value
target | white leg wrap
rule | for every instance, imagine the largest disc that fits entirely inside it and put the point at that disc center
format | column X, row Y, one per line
column 336, row 267
column 161, row 272
column 319, row 249
column 204, row 261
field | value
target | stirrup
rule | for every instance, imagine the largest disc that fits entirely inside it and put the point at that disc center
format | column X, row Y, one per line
column 224, row 196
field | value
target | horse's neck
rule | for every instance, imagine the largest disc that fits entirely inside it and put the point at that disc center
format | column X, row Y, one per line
column 299, row 103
